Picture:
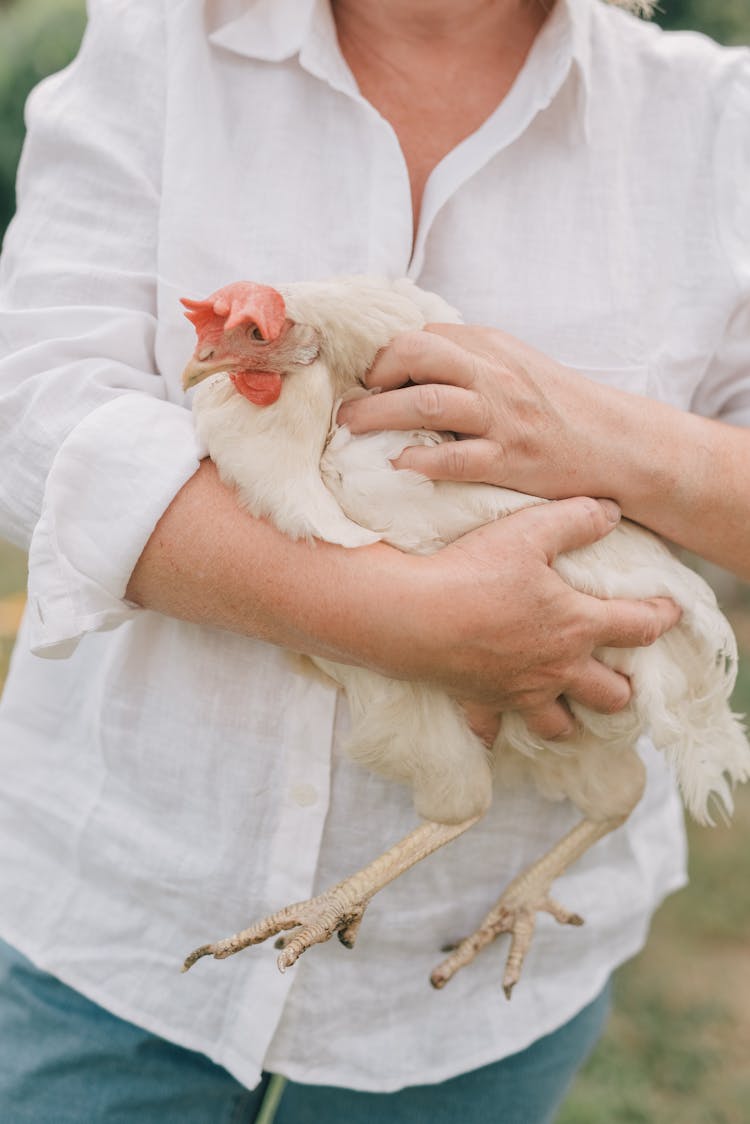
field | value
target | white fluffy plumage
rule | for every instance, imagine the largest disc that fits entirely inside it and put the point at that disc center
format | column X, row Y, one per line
column 292, row 463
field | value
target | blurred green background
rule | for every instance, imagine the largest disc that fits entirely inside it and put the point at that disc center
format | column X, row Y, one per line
column 677, row 1049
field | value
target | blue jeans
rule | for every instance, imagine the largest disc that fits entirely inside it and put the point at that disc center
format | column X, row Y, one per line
column 64, row 1060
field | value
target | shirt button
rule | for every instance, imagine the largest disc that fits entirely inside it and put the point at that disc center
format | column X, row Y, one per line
column 304, row 795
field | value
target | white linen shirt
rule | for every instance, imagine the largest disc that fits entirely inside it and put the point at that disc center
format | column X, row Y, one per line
column 164, row 784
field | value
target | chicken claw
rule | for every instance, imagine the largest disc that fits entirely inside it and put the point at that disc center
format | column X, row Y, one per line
column 314, row 921
column 515, row 913
column 527, row 895
column 339, row 909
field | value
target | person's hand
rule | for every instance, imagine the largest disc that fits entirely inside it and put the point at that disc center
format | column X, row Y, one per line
column 528, row 422
column 484, row 719
column 492, row 622
column 531, row 424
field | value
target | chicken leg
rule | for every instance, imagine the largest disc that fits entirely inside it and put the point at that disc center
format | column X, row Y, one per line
column 339, row 909
column 527, row 895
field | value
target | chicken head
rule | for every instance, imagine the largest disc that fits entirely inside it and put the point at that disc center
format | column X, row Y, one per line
column 243, row 330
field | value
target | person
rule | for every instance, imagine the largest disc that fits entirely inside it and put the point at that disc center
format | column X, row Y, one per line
column 561, row 172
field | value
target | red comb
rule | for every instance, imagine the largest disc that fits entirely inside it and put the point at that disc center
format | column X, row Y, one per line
column 242, row 302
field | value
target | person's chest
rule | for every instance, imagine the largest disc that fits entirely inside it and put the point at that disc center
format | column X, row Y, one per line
column 271, row 174
column 434, row 92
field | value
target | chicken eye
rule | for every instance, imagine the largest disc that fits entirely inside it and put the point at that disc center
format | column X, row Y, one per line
column 255, row 333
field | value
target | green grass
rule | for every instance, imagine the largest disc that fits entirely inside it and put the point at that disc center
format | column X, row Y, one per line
column 658, row 1064
column 12, row 580
column 665, row 1058
column 12, row 570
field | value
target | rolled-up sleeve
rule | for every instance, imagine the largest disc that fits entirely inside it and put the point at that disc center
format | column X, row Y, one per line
column 93, row 452
column 725, row 389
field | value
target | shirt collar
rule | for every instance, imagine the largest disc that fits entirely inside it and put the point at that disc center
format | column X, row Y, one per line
column 276, row 30
column 269, row 30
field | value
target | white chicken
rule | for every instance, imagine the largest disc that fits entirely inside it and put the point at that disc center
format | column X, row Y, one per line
column 280, row 361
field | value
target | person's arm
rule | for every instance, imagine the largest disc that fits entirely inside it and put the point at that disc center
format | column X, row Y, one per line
column 486, row 617
column 93, row 452
column 541, row 428
column 544, row 429
column 95, row 455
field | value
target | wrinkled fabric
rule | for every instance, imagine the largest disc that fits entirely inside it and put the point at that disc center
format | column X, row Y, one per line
column 54, row 1040
column 164, row 783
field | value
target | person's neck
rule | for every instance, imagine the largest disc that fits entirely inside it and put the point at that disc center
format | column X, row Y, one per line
column 458, row 25
column 435, row 69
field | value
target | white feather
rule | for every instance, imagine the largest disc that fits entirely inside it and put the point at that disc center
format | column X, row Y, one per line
column 293, row 464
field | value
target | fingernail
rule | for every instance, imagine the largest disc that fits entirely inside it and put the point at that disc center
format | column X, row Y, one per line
column 611, row 510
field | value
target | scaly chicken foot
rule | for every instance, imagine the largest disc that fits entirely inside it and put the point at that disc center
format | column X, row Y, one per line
column 339, row 909
column 313, row 921
column 527, row 895
column 347, row 935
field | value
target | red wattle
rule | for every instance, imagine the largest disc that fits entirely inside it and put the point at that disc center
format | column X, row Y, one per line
column 262, row 388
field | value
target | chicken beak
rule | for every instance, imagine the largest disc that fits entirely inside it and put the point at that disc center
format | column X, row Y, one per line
column 199, row 369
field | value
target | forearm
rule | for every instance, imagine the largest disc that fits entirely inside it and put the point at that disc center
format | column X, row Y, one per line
column 535, row 426
column 684, row 476
column 210, row 563
column 486, row 618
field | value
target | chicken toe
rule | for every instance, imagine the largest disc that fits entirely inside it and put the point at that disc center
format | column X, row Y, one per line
column 312, row 921
column 515, row 912
column 339, row 909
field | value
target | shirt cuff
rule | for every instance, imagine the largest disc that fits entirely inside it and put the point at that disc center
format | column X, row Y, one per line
column 110, row 483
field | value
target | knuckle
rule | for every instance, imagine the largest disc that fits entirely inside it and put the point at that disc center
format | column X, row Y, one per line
column 650, row 634
column 574, row 643
column 613, row 703
column 455, row 458
column 527, row 700
column 559, row 730
column 612, row 688
column 476, row 368
column 659, row 623
column 557, row 668
column 552, row 723
column 649, row 627
column 576, row 640
column 430, row 403
column 483, row 414
column 592, row 510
